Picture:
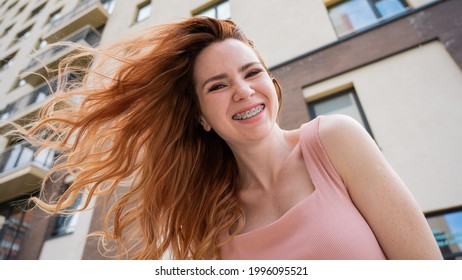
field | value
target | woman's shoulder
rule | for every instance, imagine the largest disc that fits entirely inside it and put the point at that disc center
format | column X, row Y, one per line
column 331, row 128
column 341, row 137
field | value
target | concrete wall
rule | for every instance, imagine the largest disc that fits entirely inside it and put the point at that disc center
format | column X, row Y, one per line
column 418, row 3
column 71, row 246
column 412, row 102
column 280, row 30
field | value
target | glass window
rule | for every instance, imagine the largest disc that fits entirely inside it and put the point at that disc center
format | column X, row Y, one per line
column 12, row 5
column 36, row 11
column 6, row 62
column 144, row 11
column 21, row 9
column 108, row 5
column 345, row 102
column 447, row 229
column 66, row 223
column 54, row 16
column 24, row 34
column 13, row 228
column 20, row 83
column 7, row 30
column 41, row 44
column 221, row 10
column 352, row 15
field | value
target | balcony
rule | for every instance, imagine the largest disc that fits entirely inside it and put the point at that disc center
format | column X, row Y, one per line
column 49, row 58
column 21, row 172
column 26, row 104
column 88, row 12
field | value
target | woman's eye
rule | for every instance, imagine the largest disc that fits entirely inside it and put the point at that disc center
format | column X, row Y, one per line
column 253, row 73
column 216, row 87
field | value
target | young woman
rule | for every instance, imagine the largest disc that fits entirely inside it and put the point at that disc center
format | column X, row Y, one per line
column 182, row 139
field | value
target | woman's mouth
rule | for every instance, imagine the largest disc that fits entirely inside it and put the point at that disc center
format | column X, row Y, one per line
column 250, row 113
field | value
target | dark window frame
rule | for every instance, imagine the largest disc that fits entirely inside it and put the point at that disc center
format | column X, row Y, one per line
column 313, row 103
column 372, row 5
column 212, row 5
column 139, row 8
column 36, row 11
column 440, row 213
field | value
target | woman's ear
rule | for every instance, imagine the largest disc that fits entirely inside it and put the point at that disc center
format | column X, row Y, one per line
column 205, row 124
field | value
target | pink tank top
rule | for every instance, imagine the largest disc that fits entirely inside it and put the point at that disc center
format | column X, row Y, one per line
column 325, row 225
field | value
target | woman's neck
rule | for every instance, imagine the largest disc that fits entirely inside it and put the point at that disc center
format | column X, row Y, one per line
column 260, row 162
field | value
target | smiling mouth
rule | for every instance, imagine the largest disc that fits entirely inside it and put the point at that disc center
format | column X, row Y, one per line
column 250, row 113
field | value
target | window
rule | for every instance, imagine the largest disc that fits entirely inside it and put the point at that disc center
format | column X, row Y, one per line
column 352, row 15
column 447, row 229
column 13, row 228
column 66, row 223
column 144, row 11
column 21, row 9
column 40, row 44
column 20, row 83
column 12, row 5
column 345, row 102
column 54, row 16
column 108, row 5
column 36, row 11
column 220, row 10
column 22, row 35
column 7, row 30
column 6, row 62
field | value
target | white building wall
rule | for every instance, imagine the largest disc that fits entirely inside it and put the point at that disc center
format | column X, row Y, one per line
column 418, row 3
column 280, row 29
column 71, row 246
column 412, row 103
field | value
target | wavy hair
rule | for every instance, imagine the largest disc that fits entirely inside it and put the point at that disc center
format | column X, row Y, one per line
column 130, row 133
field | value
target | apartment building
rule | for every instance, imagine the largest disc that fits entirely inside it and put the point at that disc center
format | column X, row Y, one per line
column 394, row 65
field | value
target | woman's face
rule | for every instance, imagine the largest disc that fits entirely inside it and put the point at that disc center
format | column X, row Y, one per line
column 236, row 95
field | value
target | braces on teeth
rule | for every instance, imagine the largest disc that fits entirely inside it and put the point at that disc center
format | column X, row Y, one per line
column 249, row 113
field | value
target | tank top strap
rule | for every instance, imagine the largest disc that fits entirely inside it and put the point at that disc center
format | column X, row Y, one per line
column 320, row 168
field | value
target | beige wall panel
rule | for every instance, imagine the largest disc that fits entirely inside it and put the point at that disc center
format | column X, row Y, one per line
column 418, row 3
column 283, row 29
column 124, row 13
column 412, row 102
column 71, row 246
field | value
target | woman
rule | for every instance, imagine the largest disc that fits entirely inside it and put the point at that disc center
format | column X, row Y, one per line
column 187, row 122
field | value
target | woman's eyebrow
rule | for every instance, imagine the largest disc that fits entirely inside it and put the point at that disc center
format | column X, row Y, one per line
column 214, row 78
column 248, row 65
column 224, row 75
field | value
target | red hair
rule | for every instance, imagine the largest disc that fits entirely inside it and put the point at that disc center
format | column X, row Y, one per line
column 138, row 127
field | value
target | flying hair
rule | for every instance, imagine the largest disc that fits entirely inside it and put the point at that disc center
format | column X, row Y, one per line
column 129, row 134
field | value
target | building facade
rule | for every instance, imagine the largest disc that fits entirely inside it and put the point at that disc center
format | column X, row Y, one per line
column 394, row 65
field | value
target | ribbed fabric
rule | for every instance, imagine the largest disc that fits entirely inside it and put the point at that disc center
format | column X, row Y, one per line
column 325, row 225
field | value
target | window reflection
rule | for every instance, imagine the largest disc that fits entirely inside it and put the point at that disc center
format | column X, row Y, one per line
column 352, row 15
column 447, row 229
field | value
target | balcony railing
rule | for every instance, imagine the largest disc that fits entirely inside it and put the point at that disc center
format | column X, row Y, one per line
column 91, row 12
column 38, row 95
column 87, row 34
column 80, row 7
column 23, row 154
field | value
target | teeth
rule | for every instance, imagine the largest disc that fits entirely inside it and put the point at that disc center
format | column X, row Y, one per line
column 251, row 113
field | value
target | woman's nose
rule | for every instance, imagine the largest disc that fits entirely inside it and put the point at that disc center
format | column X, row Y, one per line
column 243, row 91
